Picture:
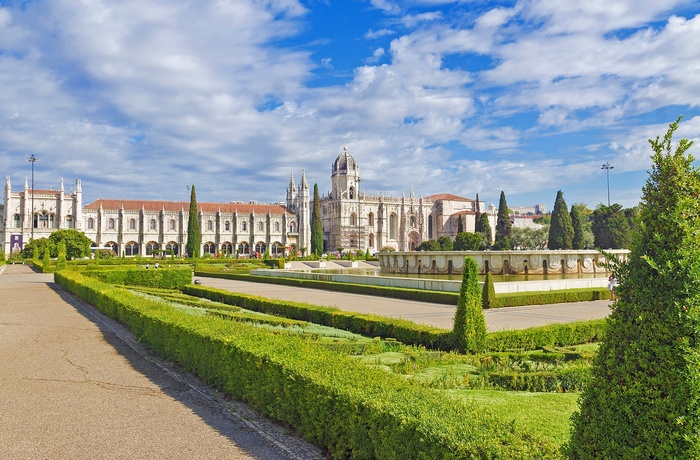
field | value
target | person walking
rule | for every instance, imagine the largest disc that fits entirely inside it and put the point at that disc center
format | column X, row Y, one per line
column 612, row 283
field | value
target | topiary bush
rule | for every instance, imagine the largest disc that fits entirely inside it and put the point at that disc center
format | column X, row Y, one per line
column 488, row 294
column 644, row 397
column 470, row 325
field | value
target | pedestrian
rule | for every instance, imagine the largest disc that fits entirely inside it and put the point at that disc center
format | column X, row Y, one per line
column 612, row 284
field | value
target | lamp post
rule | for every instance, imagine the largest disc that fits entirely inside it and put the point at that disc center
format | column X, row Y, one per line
column 32, row 159
column 359, row 217
column 607, row 167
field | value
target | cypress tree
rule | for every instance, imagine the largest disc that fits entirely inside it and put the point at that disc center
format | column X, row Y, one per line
column 61, row 260
column 561, row 231
column 316, row 226
column 477, row 215
column 503, row 226
column 643, row 400
column 577, row 224
column 485, row 230
column 460, row 225
column 46, row 265
column 194, row 232
column 488, row 294
column 469, row 324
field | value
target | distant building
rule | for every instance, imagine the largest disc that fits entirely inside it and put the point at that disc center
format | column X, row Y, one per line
column 535, row 210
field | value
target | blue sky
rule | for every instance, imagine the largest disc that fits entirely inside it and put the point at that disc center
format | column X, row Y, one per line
column 140, row 98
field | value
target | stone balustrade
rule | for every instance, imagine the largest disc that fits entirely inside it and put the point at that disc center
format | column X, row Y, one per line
column 530, row 262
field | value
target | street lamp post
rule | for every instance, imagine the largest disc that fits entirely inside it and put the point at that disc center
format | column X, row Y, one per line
column 359, row 217
column 32, row 159
column 607, row 167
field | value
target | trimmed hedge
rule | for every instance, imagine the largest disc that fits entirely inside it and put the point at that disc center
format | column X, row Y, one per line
column 165, row 278
column 561, row 381
column 407, row 331
column 448, row 298
column 349, row 409
column 369, row 325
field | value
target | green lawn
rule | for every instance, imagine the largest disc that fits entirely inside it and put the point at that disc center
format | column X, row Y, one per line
column 547, row 413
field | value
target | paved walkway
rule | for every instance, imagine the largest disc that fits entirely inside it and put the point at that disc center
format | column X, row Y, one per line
column 74, row 384
column 433, row 314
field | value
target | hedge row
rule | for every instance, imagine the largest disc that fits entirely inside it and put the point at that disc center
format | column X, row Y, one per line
column 561, row 381
column 406, row 331
column 165, row 278
column 442, row 297
column 349, row 409
column 369, row 325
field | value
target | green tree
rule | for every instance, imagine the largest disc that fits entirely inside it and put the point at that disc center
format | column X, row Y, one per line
column 469, row 324
column 316, row 225
column 643, row 400
column 488, row 294
column 430, row 245
column 611, row 228
column 77, row 245
column 477, row 215
column 503, row 226
column 445, row 243
column 467, row 241
column 561, row 231
column 46, row 265
column 578, row 224
column 485, row 231
column 61, row 261
column 194, row 232
column 460, row 224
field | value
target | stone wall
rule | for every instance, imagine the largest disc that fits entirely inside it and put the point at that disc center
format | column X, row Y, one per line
column 498, row 262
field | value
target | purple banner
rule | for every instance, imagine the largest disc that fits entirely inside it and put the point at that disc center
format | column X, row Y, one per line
column 15, row 243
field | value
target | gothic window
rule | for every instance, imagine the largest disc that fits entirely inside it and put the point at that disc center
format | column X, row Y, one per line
column 292, row 227
column 227, row 226
column 172, row 248
column 371, row 240
column 227, row 248
column 413, row 221
column 132, row 224
column 351, row 193
column 69, row 222
column 91, row 224
column 209, row 247
column 243, row 248
column 153, row 224
column 392, row 226
column 353, row 219
column 277, row 227
column 43, row 220
column 244, row 226
column 371, row 219
column 210, row 226
column 276, row 248
column 110, row 223
column 430, row 227
column 172, row 224
column 261, row 226
column 113, row 246
column 131, row 248
column 151, row 247
column 260, row 247
column 16, row 221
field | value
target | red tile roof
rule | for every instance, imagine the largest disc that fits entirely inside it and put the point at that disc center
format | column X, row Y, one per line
column 448, row 197
column 176, row 206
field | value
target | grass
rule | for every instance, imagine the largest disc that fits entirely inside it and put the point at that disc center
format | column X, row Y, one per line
column 546, row 413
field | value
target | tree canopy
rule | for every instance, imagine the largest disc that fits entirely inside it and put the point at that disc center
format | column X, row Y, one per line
column 503, row 226
column 194, row 232
column 316, row 225
column 611, row 227
column 561, row 232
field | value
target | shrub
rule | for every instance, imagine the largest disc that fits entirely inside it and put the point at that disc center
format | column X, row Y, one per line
column 488, row 294
column 470, row 325
column 165, row 278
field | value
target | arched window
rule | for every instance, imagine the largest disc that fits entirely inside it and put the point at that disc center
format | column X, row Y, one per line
column 351, row 193
column 277, row 227
column 132, row 224
column 370, row 218
column 152, row 225
column 243, row 248
column 151, row 247
column 173, row 224
column 260, row 247
column 210, row 226
column 209, row 248
column 16, row 221
column 172, row 248
column 292, row 227
column 227, row 226
column 430, row 227
column 110, row 223
column 244, row 226
column 91, row 224
column 43, row 220
column 131, row 248
column 371, row 240
column 227, row 249
column 69, row 222
column 413, row 221
column 392, row 226
column 276, row 248
column 261, row 226
column 353, row 219
column 113, row 246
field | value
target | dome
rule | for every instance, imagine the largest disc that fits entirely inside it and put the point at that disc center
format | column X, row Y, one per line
column 345, row 161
